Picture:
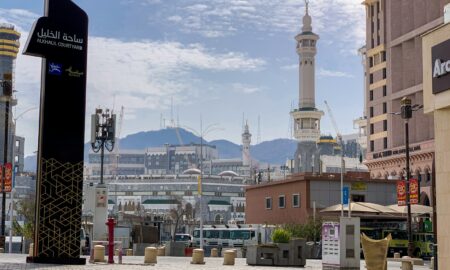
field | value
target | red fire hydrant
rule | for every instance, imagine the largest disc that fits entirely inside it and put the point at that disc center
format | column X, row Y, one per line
column 110, row 225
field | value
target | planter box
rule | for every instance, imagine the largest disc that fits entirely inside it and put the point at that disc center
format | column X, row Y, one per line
column 281, row 254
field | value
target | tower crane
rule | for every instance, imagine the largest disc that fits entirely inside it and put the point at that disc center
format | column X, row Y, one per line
column 339, row 137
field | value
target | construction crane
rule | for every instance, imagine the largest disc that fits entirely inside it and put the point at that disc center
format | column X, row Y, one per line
column 116, row 153
column 339, row 137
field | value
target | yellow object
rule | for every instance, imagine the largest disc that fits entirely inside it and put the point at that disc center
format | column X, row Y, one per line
column 30, row 251
column 375, row 252
column 214, row 252
column 199, row 185
column 150, row 255
column 161, row 251
column 99, row 253
column 229, row 256
column 129, row 252
column 197, row 256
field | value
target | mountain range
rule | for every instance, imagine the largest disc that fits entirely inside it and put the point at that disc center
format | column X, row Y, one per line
column 273, row 152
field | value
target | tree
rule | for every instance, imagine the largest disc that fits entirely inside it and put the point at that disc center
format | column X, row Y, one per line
column 25, row 209
column 177, row 214
column 310, row 230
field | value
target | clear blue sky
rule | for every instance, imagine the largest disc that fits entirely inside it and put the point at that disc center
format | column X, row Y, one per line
column 216, row 58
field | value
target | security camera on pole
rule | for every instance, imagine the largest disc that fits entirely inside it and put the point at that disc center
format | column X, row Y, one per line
column 102, row 136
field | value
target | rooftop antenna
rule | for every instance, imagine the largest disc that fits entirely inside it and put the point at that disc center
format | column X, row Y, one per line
column 178, row 118
column 172, row 122
column 258, row 136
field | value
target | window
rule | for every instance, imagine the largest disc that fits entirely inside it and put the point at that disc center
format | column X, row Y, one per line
column 384, row 73
column 384, row 90
column 383, row 56
column 295, row 200
column 372, row 146
column 371, row 129
column 385, row 145
column 371, row 78
column 268, row 203
column 384, row 107
column 371, row 61
column 371, row 111
column 358, row 198
column 371, row 95
column 282, row 201
column 384, row 125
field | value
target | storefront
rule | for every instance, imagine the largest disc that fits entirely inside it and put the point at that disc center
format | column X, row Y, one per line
column 436, row 85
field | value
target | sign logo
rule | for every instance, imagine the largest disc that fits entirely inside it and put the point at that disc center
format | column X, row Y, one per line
column 401, row 193
column 74, row 73
column 54, row 69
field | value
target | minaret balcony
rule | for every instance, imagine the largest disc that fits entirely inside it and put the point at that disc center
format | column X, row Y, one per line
column 307, row 135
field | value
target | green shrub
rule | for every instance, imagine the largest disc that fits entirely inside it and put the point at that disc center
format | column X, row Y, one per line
column 281, row 236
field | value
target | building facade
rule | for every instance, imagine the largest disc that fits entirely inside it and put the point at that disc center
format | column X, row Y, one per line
column 394, row 70
column 9, row 47
column 436, row 56
column 292, row 201
column 222, row 200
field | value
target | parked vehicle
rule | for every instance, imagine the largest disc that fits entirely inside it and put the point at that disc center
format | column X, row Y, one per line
column 184, row 238
column 231, row 235
column 423, row 245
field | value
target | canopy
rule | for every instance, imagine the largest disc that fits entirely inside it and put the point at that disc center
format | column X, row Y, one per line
column 192, row 171
column 416, row 209
column 361, row 207
column 228, row 173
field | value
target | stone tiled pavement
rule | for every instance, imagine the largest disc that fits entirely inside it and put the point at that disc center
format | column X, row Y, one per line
column 17, row 262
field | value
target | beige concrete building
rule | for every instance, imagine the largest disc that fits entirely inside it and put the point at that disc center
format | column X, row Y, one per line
column 436, row 85
column 394, row 70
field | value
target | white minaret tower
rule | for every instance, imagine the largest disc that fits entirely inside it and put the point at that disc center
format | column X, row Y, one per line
column 246, row 140
column 307, row 116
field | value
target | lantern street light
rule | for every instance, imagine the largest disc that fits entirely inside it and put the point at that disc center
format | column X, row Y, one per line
column 406, row 114
column 103, row 127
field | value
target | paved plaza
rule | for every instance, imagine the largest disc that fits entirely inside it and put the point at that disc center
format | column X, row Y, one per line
column 17, row 262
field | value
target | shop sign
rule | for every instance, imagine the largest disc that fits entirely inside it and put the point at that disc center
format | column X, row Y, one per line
column 359, row 186
column 440, row 66
column 401, row 193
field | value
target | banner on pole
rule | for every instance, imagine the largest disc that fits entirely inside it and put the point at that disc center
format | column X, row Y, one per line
column 345, row 193
column 401, row 192
column 8, row 177
column 413, row 191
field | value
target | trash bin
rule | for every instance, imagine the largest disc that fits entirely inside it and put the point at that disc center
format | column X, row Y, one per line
column 375, row 252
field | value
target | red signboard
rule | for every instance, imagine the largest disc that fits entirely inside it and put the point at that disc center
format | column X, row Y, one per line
column 8, row 177
column 401, row 193
column 413, row 191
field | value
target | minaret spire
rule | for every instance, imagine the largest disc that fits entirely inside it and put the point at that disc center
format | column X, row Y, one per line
column 307, row 19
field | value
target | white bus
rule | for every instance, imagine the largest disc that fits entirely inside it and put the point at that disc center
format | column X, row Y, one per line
column 232, row 235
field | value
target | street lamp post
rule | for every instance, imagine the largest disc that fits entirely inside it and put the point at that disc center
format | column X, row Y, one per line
column 203, row 132
column 406, row 114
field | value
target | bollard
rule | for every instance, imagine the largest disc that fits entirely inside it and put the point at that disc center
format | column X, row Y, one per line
column 407, row 264
column 432, row 263
column 2, row 250
column 162, row 251
column 120, row 255
column 129, row 252
column 214, row 252
column 30, row 251
column 99, row 253
column 198, row 256
column 229, row 256
column 397, row 255
column 116, row 252
column 150, row 255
